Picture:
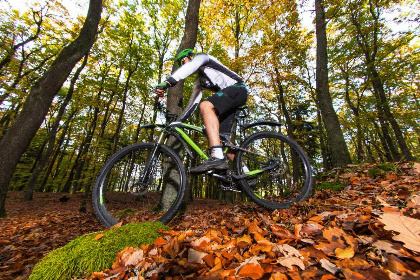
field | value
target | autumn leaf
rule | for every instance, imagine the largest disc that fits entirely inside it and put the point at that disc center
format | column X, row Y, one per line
column 160, row 241
column 252, row 270
column 408, row 229
column 99, row 236
column 329, row 266
column 413, row 201
column 196, row 256
column 278, row 276
column 289, row 262
column 117, row 225
column 287, row 251
column 346, row 253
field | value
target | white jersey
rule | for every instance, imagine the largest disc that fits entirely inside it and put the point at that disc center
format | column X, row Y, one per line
column 212, row 73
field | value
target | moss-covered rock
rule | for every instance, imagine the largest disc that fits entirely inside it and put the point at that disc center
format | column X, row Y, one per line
column 85, row 255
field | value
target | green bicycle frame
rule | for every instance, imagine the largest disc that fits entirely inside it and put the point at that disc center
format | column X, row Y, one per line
column 176, row 129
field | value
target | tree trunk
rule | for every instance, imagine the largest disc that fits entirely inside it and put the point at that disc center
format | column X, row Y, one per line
column 337, row 147
column 54, row 157
column 36, row 106
column 175, row 93
column 124, row 101
column 53, row 133
column 370, row 51
column 188, row 42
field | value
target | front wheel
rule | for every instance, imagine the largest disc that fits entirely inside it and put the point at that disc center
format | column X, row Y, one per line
column 280, row 172
column 142, row 182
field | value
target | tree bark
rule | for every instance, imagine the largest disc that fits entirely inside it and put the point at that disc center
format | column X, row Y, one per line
column 36, row 106
column 188, row 42
column 175, row 94
column 337, row 147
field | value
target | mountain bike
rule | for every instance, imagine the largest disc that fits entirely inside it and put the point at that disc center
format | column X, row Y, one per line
column 147, row 181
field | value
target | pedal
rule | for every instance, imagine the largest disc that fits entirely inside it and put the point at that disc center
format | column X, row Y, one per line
column 231, row 188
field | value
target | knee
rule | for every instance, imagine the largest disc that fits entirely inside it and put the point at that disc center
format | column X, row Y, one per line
column 206, row 106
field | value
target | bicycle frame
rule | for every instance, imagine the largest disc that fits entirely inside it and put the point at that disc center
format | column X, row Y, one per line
column 176, row 129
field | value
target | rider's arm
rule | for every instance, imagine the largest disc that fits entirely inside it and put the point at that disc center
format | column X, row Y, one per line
column 188, row 69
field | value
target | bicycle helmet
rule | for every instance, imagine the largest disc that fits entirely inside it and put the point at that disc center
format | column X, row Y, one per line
column 185, row 53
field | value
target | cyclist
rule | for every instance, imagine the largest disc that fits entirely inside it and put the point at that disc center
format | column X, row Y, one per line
column 218, row 110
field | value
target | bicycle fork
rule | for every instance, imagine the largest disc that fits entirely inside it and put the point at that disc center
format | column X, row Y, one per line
column 152, row 157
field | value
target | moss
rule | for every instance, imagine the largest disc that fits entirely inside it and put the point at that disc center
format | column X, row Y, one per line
column 85, row 255
column 387, row 167
column 375, row 172
column 124, row 213
column 334, row 186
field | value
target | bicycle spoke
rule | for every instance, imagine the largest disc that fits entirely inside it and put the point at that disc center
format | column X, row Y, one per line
column 133, row 185
column 282, row 171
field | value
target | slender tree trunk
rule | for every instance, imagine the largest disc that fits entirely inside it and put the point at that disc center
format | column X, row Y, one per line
column 370, row 51
column 355, row 110
column 121, row 116
column 337, row 147
column 53, row 133
column 86, row 146
column 54, row 157
column 36, row 106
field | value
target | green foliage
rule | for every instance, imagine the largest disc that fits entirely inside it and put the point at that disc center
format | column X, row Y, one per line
column 387, row 166
column 381, row 170
column 376, row 172
column 85, row 255
column 124, row 213
column 333, row 186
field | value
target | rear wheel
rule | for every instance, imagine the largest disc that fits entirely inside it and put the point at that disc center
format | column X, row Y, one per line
column 289, row 180
column 142, row 182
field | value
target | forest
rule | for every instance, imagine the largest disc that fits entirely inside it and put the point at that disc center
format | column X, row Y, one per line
column 78, row 83
column 341, row 76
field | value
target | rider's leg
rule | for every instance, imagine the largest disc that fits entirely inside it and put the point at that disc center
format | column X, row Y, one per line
column 219, row 105
column 211, row 122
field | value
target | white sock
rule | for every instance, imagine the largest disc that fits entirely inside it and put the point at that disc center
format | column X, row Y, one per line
column 217, row 152
column 244, row 168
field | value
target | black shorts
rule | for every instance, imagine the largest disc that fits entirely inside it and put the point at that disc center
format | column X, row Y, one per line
column 226, row 102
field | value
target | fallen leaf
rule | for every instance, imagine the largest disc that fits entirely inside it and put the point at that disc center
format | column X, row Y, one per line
column 396, row 265
column 408, row 229
column 160, row 241
column 346, row 253
column 287, row 251
column 117, row 225
column 355, row 263
column 390, row 248
column 245, row 238
column 328, row 277
column 196, row 256
column 413, row 201
column 289, row 262
column 329, row 266
column 353, row 274
column 202, row 242
column 252, row 270
column 99, row 236
column 278, row 276
column 261, row 240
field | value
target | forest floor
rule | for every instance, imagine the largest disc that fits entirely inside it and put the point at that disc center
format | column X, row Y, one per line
column 363, row 222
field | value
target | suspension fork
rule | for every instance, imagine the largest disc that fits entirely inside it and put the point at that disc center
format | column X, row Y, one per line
column 152, row 156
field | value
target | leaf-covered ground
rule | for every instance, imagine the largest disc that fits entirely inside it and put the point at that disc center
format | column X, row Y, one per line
column 367, row 228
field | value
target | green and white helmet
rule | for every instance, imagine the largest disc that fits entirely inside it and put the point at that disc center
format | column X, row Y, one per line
column 183, row 54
